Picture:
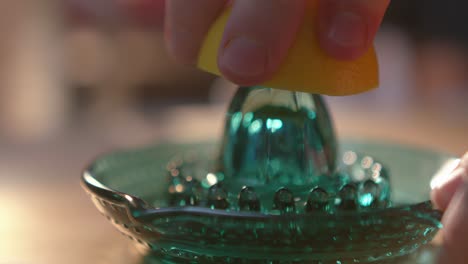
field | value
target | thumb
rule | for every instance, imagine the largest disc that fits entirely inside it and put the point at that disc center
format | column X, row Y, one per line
column 347, row 27
column 445, row 185
column 450, row 193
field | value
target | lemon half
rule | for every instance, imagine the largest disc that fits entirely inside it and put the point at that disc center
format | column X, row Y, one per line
column 306, row 68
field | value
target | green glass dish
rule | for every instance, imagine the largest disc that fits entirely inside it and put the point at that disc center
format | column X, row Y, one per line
column 130, row 188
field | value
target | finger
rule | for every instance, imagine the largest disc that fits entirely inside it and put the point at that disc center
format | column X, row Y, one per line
column 257, row 38
column 455, row 233
column 445, row 186
column 140, row 12
column 346, row 28
column 144, row 12
column 186, row 25
column 106, row 11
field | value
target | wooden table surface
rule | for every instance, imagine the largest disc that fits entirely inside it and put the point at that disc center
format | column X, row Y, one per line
column 46, row 218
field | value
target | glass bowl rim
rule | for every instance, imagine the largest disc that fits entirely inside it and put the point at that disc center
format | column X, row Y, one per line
column 140, row 210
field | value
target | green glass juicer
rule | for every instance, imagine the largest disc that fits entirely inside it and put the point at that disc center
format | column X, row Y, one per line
column 277, row 189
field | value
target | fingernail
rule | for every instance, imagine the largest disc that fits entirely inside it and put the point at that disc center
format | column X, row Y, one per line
column 446, row 173
column 244, row 58
column 455, row 233
column 445, row 183
column 348, row 29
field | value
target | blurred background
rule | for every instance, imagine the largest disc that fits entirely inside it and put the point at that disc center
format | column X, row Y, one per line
column 82, row 77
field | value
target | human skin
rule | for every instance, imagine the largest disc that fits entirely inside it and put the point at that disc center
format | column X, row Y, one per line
column 259, row 33
column 256, row 40
column 451, row 196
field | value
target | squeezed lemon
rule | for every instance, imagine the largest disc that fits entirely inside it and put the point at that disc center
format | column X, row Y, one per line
column 307, row 68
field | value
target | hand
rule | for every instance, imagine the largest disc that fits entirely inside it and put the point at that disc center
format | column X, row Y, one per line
column 144, row 13
column 451, row 195
column 259, row 32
